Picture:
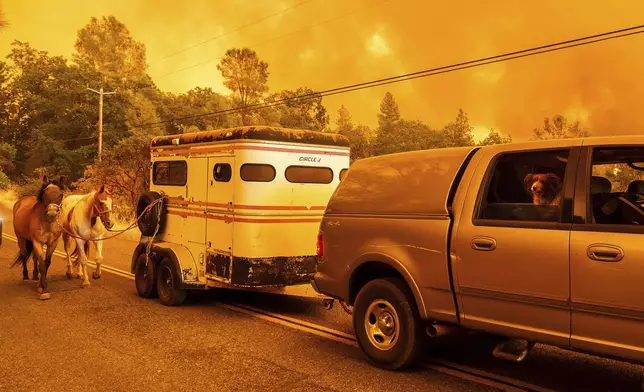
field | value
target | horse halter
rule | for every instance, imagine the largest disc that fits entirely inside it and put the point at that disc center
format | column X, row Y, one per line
column 58, row 210
column 100, row 213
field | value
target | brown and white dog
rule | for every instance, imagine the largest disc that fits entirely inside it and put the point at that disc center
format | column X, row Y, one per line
column 545, row 189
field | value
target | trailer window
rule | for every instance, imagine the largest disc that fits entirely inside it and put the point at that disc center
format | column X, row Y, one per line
column 342, row 173
column 309, row 175
column 257, row 172
column 173, row 173
column 222, row 172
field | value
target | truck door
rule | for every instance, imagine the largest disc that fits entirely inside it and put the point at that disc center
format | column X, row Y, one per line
column 219, row 231
column 510, row 256
column 606, row 253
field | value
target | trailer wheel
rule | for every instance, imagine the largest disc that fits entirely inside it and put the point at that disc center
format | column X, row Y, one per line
column 387, row 325
column 169, row 284
column 145, row 277
column 156, row 216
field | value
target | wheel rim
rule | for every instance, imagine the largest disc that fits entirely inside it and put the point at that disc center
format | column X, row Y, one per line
column 382, row 325
column 165, row 281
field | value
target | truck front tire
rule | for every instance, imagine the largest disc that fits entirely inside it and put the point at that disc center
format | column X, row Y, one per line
column 388, row 328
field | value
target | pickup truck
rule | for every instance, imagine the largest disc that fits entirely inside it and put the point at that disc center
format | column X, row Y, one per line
column 535, row 242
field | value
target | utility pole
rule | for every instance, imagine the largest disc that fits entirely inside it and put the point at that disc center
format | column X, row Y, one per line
column 100, row 118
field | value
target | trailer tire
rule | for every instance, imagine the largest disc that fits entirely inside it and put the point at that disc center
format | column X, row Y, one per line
column 386, row 308
column 145, row 278
column 169, row 284
column 148, row 222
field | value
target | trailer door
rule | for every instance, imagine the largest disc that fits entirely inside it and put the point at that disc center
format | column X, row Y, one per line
column 219, row 216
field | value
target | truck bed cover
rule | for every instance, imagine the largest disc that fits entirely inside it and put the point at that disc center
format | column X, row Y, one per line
column 373, row 185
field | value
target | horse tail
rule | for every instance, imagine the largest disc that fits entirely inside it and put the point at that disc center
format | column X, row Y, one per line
column 23, row 255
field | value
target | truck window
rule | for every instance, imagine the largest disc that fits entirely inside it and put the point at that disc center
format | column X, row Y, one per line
column 173, row 173
column 257, row 172
column 222, row 172
column 342, row 173
column 616, row 186
column 524, row 186
column 309, row 174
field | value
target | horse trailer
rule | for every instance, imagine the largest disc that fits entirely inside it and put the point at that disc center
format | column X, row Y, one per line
column 235, row 208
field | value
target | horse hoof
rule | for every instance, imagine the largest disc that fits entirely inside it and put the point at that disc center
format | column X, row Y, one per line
column 69, row 275
column 39, row 289
column 45, row 296
column 95, row 275
column 85, row 285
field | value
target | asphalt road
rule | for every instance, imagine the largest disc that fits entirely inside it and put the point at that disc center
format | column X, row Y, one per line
column 107, row 338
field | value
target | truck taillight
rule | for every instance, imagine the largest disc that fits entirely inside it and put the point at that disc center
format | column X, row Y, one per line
column 320, row 246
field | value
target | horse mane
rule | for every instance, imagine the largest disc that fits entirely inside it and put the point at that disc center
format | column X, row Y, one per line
column 41, row 192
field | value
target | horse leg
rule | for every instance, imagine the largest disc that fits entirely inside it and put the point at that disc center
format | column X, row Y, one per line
column 23, row 257
column 34, row 274
column 82, row 258
column 41, row 259
column 67, row 243
column 99, row 258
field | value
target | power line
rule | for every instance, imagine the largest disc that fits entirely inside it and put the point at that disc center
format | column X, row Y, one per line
column 235, row 30
column 428, row 72
column 275, row 38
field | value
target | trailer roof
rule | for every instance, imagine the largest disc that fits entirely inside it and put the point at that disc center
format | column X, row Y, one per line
column 254, row 133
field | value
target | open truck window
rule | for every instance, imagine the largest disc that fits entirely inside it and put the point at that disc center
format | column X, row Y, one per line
column 257, row 172
column 616, row 186
column 172, row 173
column 524, row 186
column 308, row 175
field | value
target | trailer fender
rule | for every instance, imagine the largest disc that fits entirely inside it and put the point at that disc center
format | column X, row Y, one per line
column 179, row 255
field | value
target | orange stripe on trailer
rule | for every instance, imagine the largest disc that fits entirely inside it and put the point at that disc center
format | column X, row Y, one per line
column 229, row 219
column 246, row 206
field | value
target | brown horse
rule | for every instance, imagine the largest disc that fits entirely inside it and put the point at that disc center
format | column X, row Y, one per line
column 35, row 222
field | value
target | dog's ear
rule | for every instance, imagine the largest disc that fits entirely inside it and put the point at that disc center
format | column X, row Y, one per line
column 555, row 181
column 528, row 180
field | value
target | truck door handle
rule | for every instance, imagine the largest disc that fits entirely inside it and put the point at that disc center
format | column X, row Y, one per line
column 483, row 243
column 603, row 252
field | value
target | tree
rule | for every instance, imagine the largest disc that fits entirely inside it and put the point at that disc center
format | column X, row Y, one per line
column 245, row 75
column 344, row 122
column 389, row 112
column 495, row 138
column 305, row 113
column 559, row 128
column 106, row 47
column 458, row 133
column 3, row 21
column 187, row 110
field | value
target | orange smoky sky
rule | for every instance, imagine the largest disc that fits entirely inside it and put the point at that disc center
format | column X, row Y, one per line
column 322, row 44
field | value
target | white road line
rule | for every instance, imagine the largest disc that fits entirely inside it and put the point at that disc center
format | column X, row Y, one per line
column 445, row 367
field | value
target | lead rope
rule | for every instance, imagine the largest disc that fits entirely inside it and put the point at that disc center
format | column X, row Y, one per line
column 148, row 247
column 119, row 232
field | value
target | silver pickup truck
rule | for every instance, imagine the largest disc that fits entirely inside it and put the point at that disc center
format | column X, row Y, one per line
column 534, row 242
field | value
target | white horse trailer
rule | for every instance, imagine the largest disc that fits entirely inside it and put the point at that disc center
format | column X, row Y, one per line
column 241, row 209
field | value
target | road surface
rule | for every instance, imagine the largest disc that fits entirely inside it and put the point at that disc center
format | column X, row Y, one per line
column 107, row 338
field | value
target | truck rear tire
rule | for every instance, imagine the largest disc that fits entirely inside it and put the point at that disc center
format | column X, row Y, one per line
column 169, row 284
column 388, row 328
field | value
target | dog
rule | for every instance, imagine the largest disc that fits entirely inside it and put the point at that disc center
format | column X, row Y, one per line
column 545, row 189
